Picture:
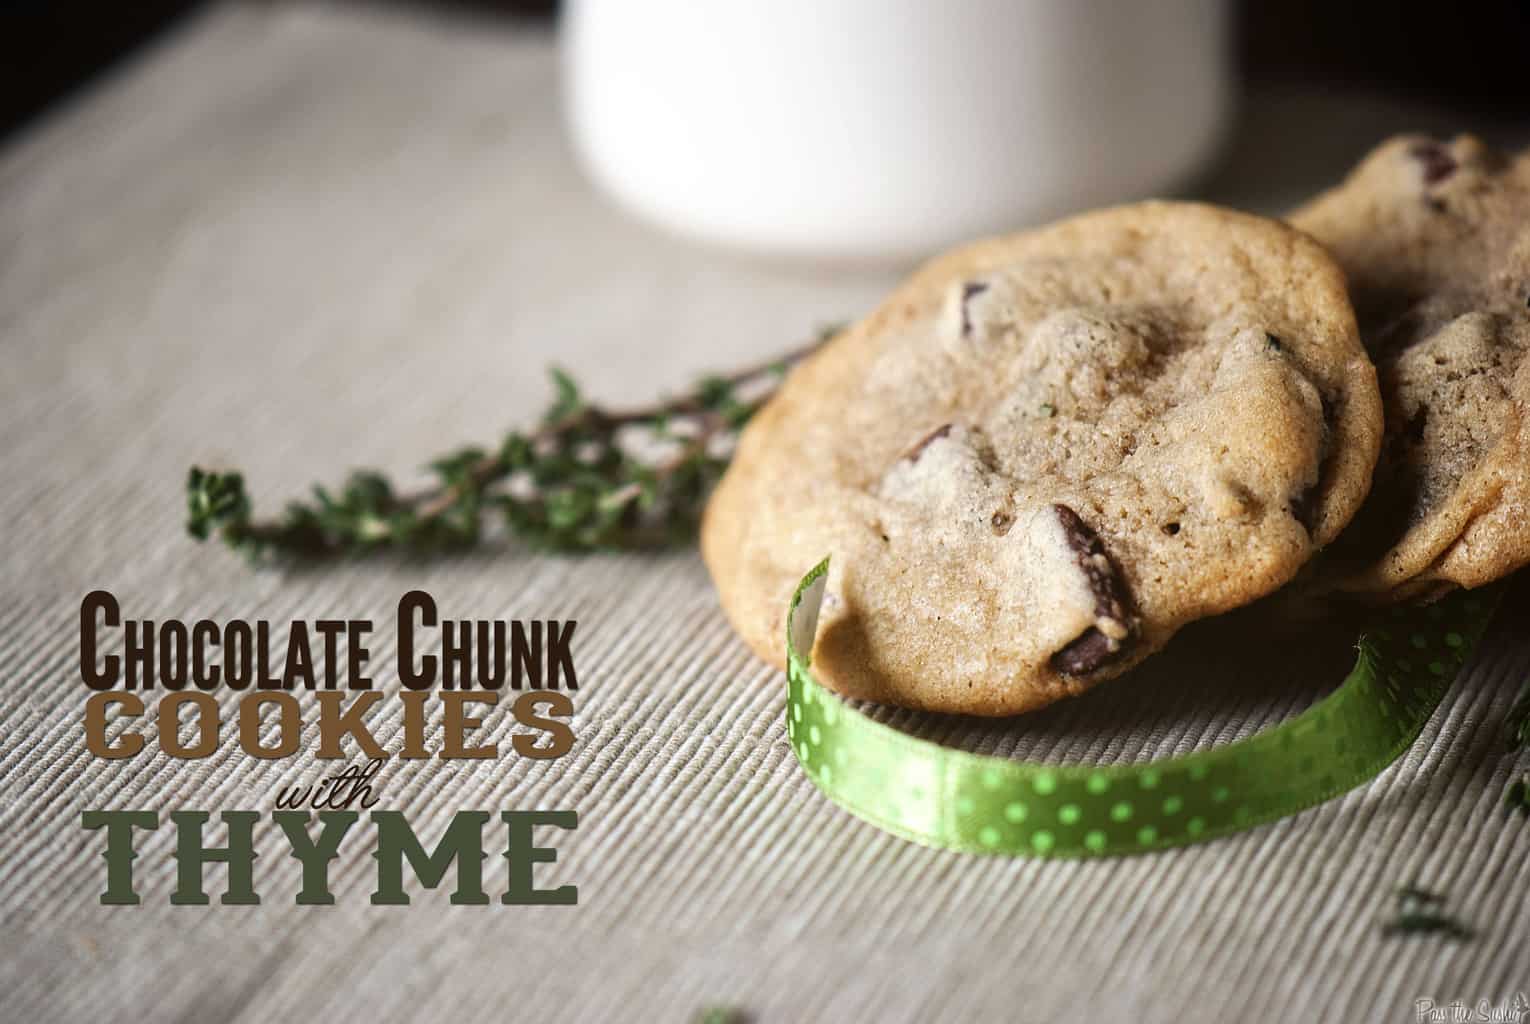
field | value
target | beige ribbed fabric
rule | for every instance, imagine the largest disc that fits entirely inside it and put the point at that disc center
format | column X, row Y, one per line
column 299, row 239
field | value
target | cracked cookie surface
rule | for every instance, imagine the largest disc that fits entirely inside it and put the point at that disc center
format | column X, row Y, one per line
column 1045, row 453
column 1435, row 239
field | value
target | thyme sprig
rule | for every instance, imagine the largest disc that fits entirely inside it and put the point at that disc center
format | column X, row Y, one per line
column 1421, row 912
column 586, row 478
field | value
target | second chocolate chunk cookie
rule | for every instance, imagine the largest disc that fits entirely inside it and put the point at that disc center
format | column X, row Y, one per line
column 1435, row 238
column 1046, row 453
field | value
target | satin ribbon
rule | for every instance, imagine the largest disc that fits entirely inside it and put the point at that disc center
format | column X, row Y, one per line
column 957, row 800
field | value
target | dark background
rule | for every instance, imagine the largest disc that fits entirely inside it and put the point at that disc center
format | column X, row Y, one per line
column 1469, row 56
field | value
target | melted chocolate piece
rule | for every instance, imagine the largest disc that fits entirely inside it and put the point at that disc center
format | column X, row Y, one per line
column 939, row 432
column 1001, row 522
column 1093, row 648
column 970, row 289
column 1437, row 161
column 1084, row 655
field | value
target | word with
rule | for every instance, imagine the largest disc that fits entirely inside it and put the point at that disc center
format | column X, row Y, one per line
column 337, row 792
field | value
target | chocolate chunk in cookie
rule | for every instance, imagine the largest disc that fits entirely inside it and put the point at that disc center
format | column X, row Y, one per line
column 1434, row 159
column 939, row 433
column 1113, row 631
column 970, row 290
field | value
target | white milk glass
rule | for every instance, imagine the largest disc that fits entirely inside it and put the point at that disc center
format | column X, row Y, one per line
column 881, row 130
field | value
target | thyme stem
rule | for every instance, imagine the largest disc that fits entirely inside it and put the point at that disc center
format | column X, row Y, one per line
column 584, row 486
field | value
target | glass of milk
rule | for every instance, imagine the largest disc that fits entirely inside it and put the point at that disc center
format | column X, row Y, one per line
column 882, row 130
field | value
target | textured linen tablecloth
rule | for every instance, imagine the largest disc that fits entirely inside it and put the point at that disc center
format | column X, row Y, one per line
column 299, row 239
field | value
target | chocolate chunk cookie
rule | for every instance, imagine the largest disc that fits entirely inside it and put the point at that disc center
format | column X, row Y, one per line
column 1045, row 453
column 1435, row 239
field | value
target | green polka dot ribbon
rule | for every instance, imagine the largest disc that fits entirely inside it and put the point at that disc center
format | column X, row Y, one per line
column 954, row 799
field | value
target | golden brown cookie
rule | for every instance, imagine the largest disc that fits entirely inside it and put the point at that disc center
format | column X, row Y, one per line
column 1045, row 453
column 1435, row 239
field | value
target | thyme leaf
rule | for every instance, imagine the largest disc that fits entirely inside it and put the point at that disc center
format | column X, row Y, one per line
column 1517, row 725
column 1420, row 912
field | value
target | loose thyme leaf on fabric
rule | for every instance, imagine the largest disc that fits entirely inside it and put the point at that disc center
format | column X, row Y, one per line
column 1517, row 725
column 1516, row 799
column 585, row 479
column 1421, row 912
column 1516, row 737
column 723, row 1015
